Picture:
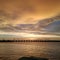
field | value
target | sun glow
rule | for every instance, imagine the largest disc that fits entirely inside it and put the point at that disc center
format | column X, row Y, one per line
column 30, row 35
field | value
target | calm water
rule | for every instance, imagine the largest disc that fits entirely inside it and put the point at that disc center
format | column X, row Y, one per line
column 13, row 51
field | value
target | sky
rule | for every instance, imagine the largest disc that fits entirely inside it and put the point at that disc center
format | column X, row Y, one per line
column 15, row 12
column 27, row 11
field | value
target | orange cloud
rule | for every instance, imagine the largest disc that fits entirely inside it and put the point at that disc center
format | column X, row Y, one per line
column 28, row 11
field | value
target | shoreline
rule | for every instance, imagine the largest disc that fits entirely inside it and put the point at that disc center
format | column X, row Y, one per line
column 29, row 40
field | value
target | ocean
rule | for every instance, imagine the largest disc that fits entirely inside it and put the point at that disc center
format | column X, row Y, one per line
column 15, row 50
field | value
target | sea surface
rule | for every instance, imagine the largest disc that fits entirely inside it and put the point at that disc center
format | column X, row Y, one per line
column 15, row 50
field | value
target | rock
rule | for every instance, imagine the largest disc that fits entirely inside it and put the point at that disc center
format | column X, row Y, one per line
column 32, row 58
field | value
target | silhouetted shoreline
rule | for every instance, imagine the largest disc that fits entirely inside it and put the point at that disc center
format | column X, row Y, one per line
column 29, row 41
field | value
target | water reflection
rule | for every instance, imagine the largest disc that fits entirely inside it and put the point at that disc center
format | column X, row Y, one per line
column 13, row 51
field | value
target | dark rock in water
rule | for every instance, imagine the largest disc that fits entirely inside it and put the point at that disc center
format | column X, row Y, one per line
column 32, row 58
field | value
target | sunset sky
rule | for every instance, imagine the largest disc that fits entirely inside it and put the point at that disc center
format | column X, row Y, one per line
column 27, row 11
column 13, row 13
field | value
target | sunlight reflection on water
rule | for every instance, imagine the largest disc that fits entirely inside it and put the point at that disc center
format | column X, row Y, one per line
column 13, row 51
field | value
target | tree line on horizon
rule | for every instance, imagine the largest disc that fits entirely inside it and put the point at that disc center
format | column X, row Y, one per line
column 29, row 40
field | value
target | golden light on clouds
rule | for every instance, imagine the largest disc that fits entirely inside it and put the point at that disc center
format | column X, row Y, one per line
column 28, row 11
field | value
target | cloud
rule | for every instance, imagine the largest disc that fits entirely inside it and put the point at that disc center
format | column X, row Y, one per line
column 53, row 27
column 20, row 11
